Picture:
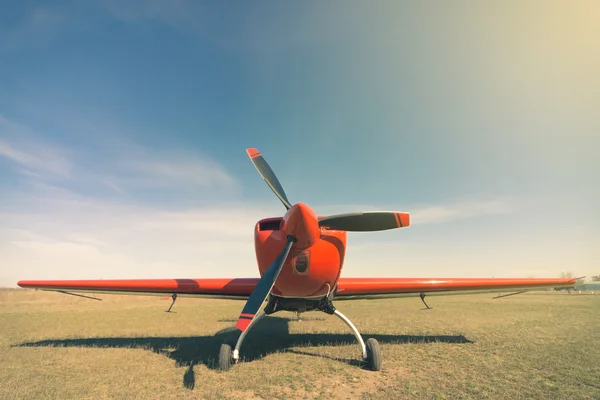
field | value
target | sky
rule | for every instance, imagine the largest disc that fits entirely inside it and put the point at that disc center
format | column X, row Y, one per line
column 124, row 124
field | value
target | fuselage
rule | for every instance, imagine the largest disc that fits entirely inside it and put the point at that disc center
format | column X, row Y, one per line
column 314, row 265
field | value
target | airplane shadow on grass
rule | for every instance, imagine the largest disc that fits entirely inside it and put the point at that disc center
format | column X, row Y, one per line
column 268, row 336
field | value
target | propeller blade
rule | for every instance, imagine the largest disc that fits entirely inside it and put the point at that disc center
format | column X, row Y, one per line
column 365, row 221
column 268, row 175
column 262, row 289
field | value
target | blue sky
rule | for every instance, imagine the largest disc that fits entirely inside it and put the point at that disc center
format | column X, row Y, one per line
column 123, row 126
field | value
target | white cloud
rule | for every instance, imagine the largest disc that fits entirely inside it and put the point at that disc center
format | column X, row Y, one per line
column 58, row 234
column 460, row 210
column 191, row 172
column 113, row 163
column 53, row 229
column 55, row 225
column 36, row 158
column 61, row 238
column 434, row 214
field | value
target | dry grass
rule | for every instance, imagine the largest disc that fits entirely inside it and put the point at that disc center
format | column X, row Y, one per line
column 544, row 345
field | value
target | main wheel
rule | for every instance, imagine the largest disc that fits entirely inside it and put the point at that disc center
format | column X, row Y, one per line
column 373, row 355
column 225, row 357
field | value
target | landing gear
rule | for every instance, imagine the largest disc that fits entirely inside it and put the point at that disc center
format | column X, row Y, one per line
column 422, row 296
column 174, row 297
column 371, row 353
column 228, row 357
column 355, row 331
column 373, row 360
column 225, row 357
column 238, row 345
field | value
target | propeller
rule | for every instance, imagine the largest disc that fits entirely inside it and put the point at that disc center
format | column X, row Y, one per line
column 268, row 175
column 262, row 289
column 365, row 221
column 361, row 221
column 265, row 284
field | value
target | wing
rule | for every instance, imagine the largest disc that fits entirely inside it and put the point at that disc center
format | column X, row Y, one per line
column 348, row 288
column 367, row 288
column 238, row 288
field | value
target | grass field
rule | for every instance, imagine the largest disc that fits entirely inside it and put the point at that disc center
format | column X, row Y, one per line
column 540, row 345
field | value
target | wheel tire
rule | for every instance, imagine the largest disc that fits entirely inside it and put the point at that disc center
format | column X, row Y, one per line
column 225, row 357
column 373, row 355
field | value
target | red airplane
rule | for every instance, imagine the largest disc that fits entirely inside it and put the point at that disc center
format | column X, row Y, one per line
column 300, row 258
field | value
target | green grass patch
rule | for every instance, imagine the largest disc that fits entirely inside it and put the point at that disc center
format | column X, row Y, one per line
column 538, row 345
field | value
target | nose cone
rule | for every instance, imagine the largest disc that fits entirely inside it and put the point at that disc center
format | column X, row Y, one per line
column 302, row 223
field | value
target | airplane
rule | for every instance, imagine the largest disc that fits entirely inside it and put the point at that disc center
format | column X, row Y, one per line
column 300, row 258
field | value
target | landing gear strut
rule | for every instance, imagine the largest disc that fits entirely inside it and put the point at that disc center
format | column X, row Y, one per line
column 227, row 357
column 422, row 296
column 355, row 331
column 174, row 297
column 371, row 352
column 238, row 345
